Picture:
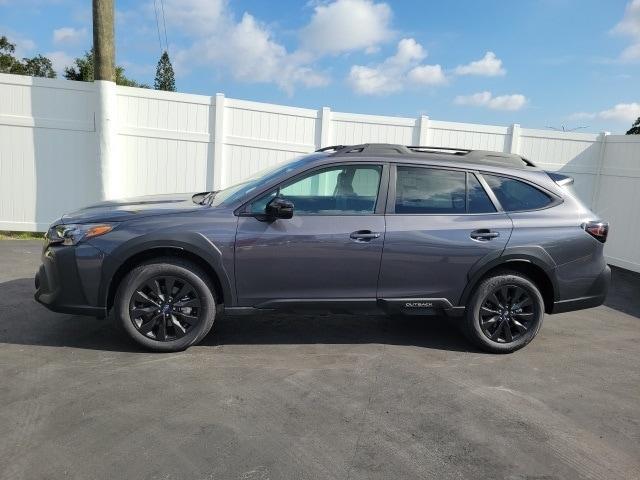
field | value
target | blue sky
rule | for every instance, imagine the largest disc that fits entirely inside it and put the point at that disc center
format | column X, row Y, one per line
column 539, row 63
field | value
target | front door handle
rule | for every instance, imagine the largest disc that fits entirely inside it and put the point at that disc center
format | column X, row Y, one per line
column 484, row 234
column 363, row 235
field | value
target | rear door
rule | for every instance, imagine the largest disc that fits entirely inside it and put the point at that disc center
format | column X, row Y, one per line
column 329, row 250
column 440, row 222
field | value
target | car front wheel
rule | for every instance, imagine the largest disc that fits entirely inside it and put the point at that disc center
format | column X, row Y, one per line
column 504, row 313
column 166, row 305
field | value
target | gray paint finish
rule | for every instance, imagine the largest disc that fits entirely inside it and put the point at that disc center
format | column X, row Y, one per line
column 307, row 257
column 313, row 257
column 431, row 255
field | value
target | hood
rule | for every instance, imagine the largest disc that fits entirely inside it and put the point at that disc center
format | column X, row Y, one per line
column 129, row 208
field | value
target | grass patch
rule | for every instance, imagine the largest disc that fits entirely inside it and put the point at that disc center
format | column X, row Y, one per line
column 21, row 235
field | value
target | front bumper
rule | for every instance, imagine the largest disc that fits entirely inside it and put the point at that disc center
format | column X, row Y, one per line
column 68, row 280
column 594, row 297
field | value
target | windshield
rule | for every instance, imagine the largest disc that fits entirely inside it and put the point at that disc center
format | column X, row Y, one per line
column 247, row 186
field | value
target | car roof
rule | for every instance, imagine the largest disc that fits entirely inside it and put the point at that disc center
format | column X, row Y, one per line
column 445, row 156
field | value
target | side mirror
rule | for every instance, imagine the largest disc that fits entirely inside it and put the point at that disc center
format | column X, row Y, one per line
column 279, row 208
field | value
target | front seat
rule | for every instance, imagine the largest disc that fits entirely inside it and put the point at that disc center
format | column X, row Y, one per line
column 343, row 191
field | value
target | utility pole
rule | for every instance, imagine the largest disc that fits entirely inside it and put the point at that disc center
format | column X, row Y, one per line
column 106, row 106
column 103, row 44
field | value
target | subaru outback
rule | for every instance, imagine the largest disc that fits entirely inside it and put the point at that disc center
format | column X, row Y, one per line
column 485, row 238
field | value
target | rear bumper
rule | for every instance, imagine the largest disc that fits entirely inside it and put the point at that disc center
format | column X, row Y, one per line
column 64, row 283
column 594, row 297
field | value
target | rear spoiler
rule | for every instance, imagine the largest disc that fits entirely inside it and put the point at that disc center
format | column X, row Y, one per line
column 560, row 179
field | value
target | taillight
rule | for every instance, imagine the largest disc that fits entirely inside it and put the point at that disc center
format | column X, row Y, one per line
column 598, row 230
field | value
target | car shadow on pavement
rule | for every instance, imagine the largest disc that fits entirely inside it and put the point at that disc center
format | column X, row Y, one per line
column 25, row 322
column 438, row 333
column 624, row 291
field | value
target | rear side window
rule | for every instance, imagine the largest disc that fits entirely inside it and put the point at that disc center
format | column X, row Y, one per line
column 426, row 190
column 435, row 191
column 515, row 195
column 479, row 201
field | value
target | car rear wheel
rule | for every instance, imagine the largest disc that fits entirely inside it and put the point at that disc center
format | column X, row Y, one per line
column 504, row 313
column 166, row 305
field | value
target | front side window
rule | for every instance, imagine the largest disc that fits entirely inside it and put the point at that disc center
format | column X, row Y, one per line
column 344, row 189
column 515, row 195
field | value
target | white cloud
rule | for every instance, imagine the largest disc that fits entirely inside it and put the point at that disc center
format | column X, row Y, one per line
column 246, row 49
column 629, row 26
column 60, row 60
column 631, row 53
column 487, row 66
column 24, row 46
column 427, row 75
column 486, row 99
column 347, row 25
column 622, row 112
column 195, row 17
column 69, row 35
column 370, row 81
column 630, row 23
column 396, row 72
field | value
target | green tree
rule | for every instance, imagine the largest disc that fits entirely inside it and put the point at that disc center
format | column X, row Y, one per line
column 165, row 79
column 635, row 128
column 38, row 66
column 8, row 62
column 82, row 71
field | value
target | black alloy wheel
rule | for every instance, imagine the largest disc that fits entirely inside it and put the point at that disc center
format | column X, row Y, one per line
column 165, row 308
column 506, row 314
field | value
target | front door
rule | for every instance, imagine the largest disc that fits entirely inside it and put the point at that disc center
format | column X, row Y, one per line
column 439, row 222
column 329, row 250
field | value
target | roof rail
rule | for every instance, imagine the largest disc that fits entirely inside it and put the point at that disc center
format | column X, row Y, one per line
column 476, row 156
column 379, row 148
column 420, row 148
column 332, row 147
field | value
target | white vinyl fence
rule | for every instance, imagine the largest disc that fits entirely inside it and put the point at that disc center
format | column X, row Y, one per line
column 177, row 142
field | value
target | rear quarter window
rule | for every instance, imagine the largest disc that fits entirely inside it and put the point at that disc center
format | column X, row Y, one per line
column 515, row 195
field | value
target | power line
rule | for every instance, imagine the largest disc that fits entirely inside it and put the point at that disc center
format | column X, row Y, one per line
column 164, row 22
column 564, row 128
column 155, row 10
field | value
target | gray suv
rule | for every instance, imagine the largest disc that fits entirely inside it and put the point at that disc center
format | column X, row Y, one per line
column 483, row 237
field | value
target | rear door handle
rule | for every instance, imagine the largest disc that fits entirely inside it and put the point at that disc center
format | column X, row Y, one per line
column 364, row 235
column 484, row 234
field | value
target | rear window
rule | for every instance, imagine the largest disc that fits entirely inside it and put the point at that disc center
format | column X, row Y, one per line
column 515, row 195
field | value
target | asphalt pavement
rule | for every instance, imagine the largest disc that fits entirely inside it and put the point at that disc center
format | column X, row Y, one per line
column 315, row 397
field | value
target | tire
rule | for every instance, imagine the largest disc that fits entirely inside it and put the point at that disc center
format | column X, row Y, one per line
column 517, row 304
column 146, row 309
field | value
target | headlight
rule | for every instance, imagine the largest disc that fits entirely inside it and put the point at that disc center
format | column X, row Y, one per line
column 74, row 233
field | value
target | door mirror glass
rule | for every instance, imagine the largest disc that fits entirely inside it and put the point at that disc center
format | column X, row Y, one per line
column 279, row 208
